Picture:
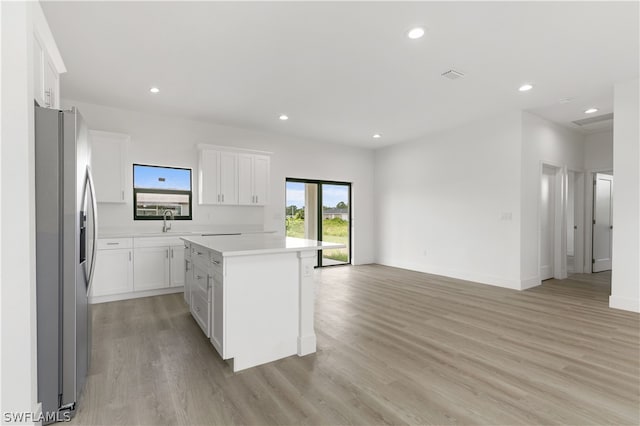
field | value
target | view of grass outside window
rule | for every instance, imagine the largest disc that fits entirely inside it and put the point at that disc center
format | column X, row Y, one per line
column 159, row 189
column 301, row 212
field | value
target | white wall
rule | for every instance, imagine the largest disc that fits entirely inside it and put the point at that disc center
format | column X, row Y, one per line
column 625, row 280
column 17, row 224
column 440, row 202
column 549, row 143
column 598, row 151
column 172, row 141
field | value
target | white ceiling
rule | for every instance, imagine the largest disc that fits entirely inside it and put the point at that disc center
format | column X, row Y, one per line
column 344, row 71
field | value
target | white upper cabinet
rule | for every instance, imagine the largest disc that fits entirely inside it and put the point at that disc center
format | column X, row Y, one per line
column 218, row 177
column 233, row 177
column 228, row 178
column 253, row 179
column 47, row 62
column 109, row 165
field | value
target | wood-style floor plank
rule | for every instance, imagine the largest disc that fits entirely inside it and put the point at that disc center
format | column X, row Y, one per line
column 394, row 347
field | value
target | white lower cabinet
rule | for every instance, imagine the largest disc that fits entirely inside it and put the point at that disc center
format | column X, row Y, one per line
column 201, row 299
column 137, row 267
column 151, row 268
column 176, row 256
column 114, row 268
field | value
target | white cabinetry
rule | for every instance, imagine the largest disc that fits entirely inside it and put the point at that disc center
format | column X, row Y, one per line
column 109, row 165
column 159, row 263
column 233, row 177
column 151, row 268
column 253, row 179
column 218, row 177
column 114, row 267
column 47, row 62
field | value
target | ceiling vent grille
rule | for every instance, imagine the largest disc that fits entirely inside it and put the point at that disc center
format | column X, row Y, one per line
column 593, row 120
column 452, row 74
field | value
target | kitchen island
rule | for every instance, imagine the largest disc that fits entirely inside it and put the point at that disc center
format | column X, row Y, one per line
column 253, row 295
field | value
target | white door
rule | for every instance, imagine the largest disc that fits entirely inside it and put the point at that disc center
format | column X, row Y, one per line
column 209, row 177
column 547, row 223
column 245, row 179
column 114, row 273
column 177, row 265
column 228, row 178
column 261, row 178
column 602, row 222
column 151, row 268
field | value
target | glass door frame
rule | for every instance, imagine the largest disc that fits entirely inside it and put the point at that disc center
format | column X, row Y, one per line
column 319, row 212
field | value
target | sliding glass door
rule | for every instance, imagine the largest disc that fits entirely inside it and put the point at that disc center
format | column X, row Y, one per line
column 320, row 210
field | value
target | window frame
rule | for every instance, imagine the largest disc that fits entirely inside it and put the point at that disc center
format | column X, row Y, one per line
column 161, row 191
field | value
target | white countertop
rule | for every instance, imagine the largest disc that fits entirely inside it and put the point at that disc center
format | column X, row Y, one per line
column 244, row 245
column 179, row 232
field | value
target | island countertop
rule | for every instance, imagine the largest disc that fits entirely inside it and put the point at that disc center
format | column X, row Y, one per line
column 246, row 245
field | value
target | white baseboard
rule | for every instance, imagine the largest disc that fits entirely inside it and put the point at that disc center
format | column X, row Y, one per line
column 514, row 284
column 624, row 303
column 530, row 283
column 135, row 295
column 306, row 345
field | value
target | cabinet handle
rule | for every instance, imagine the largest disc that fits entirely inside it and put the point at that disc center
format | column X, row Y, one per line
column 172, row 253
column 256, row 199
column 208, row 282
column 217, row 262
column 218, row 197
column 122, row 194
column 129, row 256
column 166, row 253
column 199, row 277
column 48, row 94
column 113, row 244
column 223, row 198
column 197, row 308
column 199, row 253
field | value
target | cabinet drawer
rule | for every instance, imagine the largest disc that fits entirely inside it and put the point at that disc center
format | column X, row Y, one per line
column 114, row 243
column 216, row 262
column 199, row 254
column 200, row 311
column 157, row 241
column 200, row 279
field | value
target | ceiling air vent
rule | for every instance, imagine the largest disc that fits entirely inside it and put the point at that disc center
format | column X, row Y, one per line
column 452, row 74
column 593, row 120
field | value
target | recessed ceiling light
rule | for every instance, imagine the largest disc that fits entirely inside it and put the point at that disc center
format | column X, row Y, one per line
column 283, row 117
column 415, row 33
column 591, row 110
column 154, row 90
column 377, row 136
column 525, row 87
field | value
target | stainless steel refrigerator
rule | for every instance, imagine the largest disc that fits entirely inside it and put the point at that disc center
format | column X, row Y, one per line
column 66, row 231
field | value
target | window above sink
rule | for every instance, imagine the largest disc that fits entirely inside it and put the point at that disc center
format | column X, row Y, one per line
column 157, row 189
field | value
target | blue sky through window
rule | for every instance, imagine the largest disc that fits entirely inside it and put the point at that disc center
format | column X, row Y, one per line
column 161, row 178
column 331, row 194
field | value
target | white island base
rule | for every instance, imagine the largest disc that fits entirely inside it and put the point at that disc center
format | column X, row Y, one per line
column 253, row 296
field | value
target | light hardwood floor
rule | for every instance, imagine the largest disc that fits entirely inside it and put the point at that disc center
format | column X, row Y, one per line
column 394, row 347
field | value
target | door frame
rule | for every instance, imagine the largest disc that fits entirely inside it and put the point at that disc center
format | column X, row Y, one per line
column 319, row 213
column 560, row 219
column 579, row 242
column 592, row 189
column 589, row 206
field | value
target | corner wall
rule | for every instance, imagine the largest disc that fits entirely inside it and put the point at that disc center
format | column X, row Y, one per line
column 549, row 143
column 449, row 203
column 625, row 276
column 17, row 224
column 171, row 141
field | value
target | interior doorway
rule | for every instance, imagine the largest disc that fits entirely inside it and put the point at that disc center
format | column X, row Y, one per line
column 602, row 222
column 575, row 222
column 320, row 210
column 548, row 189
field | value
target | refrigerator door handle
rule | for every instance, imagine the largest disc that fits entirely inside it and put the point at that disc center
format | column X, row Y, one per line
column 94, row 213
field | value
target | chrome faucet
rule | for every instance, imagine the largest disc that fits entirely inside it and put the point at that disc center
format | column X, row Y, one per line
column 166, row 228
